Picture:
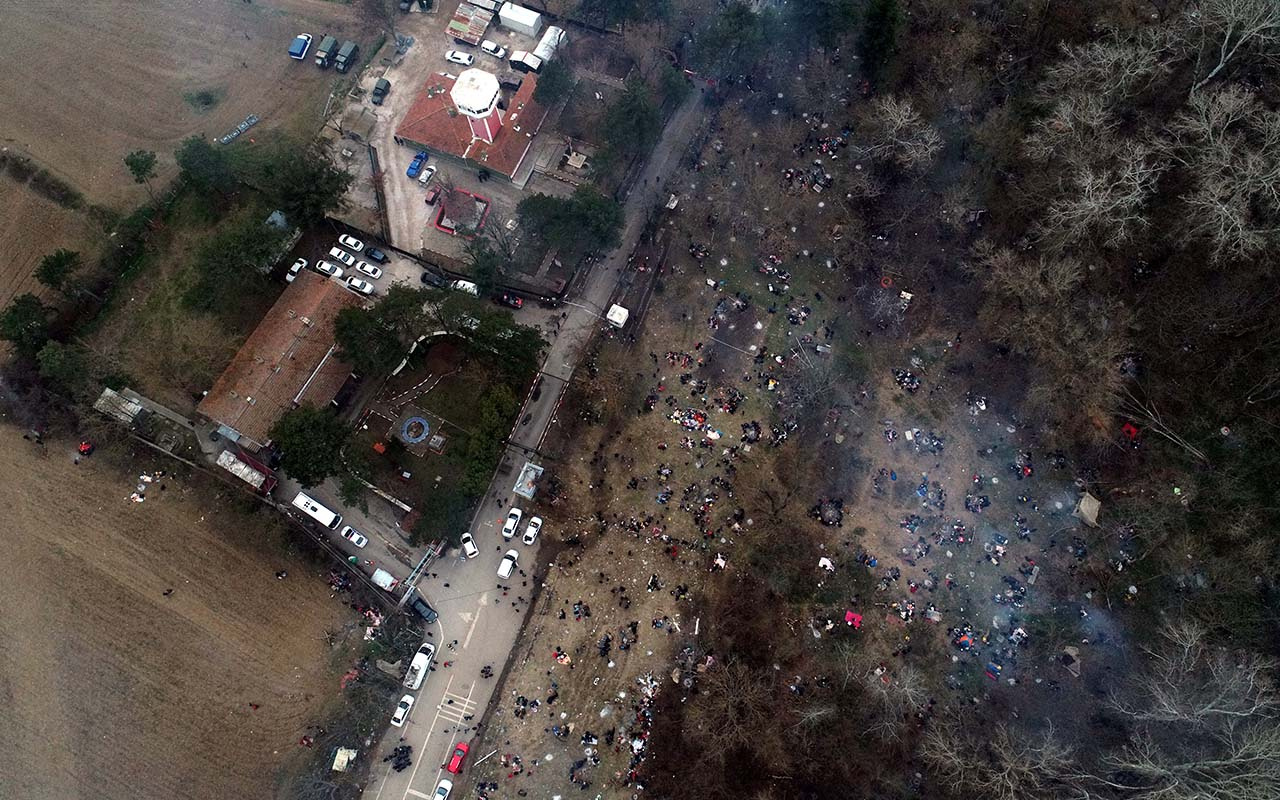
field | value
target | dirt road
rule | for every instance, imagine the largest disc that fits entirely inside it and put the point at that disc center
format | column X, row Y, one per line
column 112, row 689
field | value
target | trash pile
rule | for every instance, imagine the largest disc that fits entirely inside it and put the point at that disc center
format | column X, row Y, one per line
column 144, row 481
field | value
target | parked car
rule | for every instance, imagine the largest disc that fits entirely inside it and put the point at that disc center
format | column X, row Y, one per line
column 298, row 266
column 351, row 243
column 445, row 785
column 299, row 46
column 531, row 532
column 460, row 751
column 327, row 268
column 508, row 564
column 510, row 300
column 346, row 258
column 459, row 57
column 415, row 166
column 493, row 48
column 513, row 522
column 374, row 254
column 368, row 269
column 358, row 286
column 402, row 710
column 380, row 89
column 466, row 286
column 469, row 548
column 427, row 175
column 432, row 279
column 354, row 536
column 422, row 609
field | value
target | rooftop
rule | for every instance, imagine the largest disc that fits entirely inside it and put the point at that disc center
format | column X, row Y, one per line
column 475, row 91
column 434, row 123
column 469, row 23
column 290, row 358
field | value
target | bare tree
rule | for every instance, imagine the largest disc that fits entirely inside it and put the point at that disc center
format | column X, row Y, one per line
column 1108, row 205
column 999, row 765
column 896, row 132
column 1225, row 30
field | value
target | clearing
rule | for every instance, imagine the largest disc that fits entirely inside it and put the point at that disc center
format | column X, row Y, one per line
column 115, row 690
column 32, row 226
column 131, row 76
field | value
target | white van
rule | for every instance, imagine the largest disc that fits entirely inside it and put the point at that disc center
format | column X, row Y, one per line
column 304, row 503
column 466, row 286
column 420, row 666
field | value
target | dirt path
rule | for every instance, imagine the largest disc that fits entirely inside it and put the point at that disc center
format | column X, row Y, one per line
column 112, row 689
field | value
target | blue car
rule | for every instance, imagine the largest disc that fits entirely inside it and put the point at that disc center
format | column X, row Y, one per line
column 415, row 166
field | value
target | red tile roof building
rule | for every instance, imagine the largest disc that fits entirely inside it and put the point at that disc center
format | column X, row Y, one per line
column 433, row 123
column 290, row 359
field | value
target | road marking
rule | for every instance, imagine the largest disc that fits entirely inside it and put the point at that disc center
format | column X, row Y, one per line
column 423, row 748
column 484, row 601
column 417, row 793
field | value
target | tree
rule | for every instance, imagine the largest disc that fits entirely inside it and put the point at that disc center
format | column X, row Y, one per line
column 1107, row 206
column 25, row 323
column 554, row 84
column 65, row 367
column 310, row 441
column 1205, row 723
column 828, row 20
column 205, row 166
column 879, row 37
column 732, row 42
column 999, row 765
column 55, row 268
column 895, row 132
column 234, row 259
column 1229, row 29
column 587, row 218
column 375, row 340
column 142, row 165
column 303, row 182
column 632, row 122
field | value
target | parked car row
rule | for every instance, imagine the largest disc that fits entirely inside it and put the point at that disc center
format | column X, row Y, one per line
column 345, row 258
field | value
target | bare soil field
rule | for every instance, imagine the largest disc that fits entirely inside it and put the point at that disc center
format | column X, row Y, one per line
column 88, row 84
column 31, row 227
column 111, row 689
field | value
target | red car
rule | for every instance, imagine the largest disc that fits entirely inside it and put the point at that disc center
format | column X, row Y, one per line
column 510, row 300
column 460, row 751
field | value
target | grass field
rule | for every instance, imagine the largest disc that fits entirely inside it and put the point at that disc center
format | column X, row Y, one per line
column 113, row 689
column 31, row 227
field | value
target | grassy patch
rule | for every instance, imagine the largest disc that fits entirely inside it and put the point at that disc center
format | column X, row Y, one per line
column 205, row 100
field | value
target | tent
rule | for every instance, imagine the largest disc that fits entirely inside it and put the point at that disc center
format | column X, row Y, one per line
column 1087, row 509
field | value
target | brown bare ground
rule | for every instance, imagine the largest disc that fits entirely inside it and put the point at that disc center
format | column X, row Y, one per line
column 110, row 689
column 31, row 227
column 87, row 83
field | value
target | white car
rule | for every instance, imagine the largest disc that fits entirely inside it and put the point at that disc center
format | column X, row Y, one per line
column 354, row 536
column 326, row 268
column 298, row 266
column 493, row 48
column 351, row 243
column 466, row 286
column 469, row 548
column 508, row 564
column 368, row 269
column 531, row 532
column 346, row 258
column 358, row 286
column 442, row 789
column 513, row 522
column 402, row 711
column 419, row 666
column 459, row 57
column 426, row 175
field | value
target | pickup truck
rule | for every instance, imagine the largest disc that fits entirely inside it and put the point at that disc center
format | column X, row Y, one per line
column 384, row 580
column 299, row 47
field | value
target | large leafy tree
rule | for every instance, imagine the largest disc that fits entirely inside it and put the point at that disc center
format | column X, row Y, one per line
column 375, row 340
column 554, row 84
column 55, row 268
column 205, row 166
column 25, row 323
column 632, row 122
column 588, row 218
column 310, row 441
column 142, row 166
column 303, row 182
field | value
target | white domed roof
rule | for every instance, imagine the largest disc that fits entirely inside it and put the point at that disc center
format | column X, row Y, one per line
column 475, row 92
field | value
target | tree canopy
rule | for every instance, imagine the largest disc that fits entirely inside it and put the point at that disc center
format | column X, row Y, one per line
column 234, row 259
column 205, row 166
column 302, row 181
column 632, row 122
column 587, row 218
column 25, row 323
column 55, row 268
column 376, row 339
column 554, row 84
column 310, row 441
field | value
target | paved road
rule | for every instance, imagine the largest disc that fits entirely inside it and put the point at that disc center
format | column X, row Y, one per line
column 472, row 609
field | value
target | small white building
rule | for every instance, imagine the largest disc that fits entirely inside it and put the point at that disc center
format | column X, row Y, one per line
column 617, row 316
column 520, row 19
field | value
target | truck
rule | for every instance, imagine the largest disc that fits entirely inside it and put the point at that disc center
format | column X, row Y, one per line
column 326, row 51
column 347, row 56
column 314, row 509
column 384, row 580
